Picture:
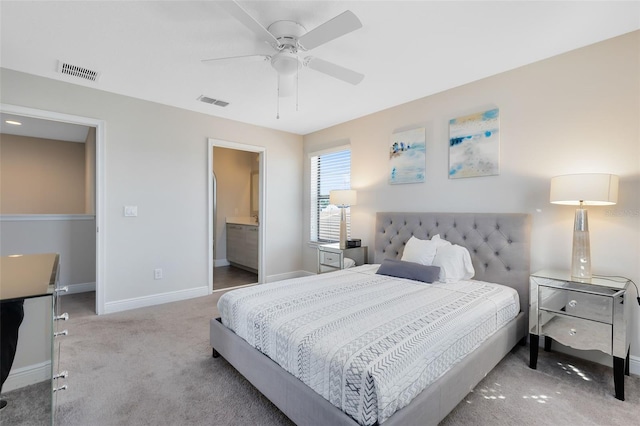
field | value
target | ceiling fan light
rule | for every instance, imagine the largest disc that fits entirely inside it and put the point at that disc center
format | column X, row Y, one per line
column 285, row 63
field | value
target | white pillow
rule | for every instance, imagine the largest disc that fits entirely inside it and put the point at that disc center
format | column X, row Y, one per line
column 422, row 251
column 454, row 262
column 436, row 238
column 348, row 263
column 439, row 241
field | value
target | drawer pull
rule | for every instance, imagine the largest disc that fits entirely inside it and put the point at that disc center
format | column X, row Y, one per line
column 573, row 332
column 61, row 333
column 63, row 387
column 62, row 375
column 62, row 289
column 62, row 317
column 573, row 304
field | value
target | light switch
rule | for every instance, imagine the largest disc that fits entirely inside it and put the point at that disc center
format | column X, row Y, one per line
column 130, row 211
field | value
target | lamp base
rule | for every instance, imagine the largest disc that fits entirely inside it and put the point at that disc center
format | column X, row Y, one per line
column 581, row 252
column 343, row 228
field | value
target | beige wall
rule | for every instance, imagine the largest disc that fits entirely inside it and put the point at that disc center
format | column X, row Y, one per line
column 41, row 176
column 573, row 113
column 90, row 172
column 233, row 172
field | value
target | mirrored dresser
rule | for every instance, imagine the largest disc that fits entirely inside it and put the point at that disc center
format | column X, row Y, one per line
column 28, row 303
column 585, row 315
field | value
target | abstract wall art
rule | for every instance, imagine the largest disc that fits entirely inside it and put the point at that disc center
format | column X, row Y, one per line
column 407, row 157
column 474, row 145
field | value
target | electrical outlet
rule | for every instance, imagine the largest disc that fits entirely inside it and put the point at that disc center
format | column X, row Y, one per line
column 157, row 274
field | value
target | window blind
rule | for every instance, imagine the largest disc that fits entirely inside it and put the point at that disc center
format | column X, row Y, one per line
column 329, row 171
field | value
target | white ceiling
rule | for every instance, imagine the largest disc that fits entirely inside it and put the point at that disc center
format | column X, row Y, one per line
column 40, row 128
column 152, row 50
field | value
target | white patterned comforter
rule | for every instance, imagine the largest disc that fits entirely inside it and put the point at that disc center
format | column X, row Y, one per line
column 367, row 343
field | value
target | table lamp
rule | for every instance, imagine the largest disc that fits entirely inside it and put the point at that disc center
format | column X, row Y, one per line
column 343, row 198
column 586, row 189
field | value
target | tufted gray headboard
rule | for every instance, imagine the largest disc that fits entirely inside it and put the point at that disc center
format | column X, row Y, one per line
column 499, row 243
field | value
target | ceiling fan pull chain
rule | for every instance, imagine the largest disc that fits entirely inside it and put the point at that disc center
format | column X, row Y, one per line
column 297, row 74
column 278, row 99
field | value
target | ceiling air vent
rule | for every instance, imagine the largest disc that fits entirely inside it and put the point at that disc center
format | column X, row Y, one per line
column 208, row 100
column 76, row 71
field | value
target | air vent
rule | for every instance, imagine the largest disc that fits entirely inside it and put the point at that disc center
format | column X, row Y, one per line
column 208, row 100
column 76, row 71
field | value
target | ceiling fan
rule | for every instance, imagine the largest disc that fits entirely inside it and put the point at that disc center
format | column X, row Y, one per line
column 289, row 40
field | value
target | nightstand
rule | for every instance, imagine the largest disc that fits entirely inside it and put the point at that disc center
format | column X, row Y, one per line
column 331, row 256
column 584, row 315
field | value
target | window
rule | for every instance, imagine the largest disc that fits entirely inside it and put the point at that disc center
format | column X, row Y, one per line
column 329, row 170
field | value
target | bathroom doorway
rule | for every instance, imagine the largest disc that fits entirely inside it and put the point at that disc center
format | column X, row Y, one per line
column 236, row 214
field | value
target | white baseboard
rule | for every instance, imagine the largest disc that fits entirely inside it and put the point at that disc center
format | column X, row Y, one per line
column 156, row 299
column 634, row 365
column 81, row 288
column 287, row 275
column 220, row 262
column 29, row 375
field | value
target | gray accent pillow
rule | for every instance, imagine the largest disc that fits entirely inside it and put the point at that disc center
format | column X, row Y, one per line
column 410, row 270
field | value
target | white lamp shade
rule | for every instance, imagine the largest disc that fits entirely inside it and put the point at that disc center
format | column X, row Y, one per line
column 343, row 197
column 592, row 189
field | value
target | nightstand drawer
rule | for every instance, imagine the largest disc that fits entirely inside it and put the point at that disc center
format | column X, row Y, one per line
column 583, row 305
column 576, row 332
column 330, row 259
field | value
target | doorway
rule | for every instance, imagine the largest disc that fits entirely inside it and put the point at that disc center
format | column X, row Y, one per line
column 98, row 187
column 232, row 266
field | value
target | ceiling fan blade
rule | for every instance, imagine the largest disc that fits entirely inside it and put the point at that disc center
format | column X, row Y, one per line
column 242, row 58
column 333, row 70
column 340, row 25
column 238, row 12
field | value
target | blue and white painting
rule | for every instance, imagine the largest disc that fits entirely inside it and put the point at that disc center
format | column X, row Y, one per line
column 407, row 157
column 474, row 145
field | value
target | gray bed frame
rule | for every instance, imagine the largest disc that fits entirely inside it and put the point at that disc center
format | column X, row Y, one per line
column 499, row 244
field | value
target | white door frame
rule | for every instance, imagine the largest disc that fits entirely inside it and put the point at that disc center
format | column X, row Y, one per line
column 262, row 159
column 99, row 189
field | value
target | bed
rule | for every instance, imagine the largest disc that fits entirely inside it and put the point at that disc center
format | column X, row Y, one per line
column 499, row 249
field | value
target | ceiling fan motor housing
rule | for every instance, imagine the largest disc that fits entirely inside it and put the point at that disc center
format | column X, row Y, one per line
column 287, row 32
column 286, row 61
